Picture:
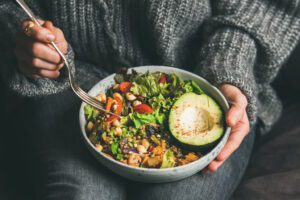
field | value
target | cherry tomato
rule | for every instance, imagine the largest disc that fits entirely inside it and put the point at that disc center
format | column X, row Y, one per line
column 163, row 78
column 124, row 87
column 143, row 108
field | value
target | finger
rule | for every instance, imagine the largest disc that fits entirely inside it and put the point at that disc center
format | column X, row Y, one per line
column 214, row 165
column 48, row 74
column 41, row 64
column 39, row 33
column 39, row 50
column 35, row 62
column 61, row 65
column 234, row 115
column 37, row 73
column 60, row 40
column 56, row 31
column 235, row 139
column 237, row 109
column 233, row 94
column 238, row 103
column 48, row 25
column 44, row 52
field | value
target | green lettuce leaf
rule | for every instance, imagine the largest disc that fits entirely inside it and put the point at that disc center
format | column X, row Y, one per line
column 140, row 119
column 147, row 85
column 90, row 113
column 188, row 87
column 160, row 117
column 196, row 88
column 168, row 159
column 160, row 101
column 119, row 156
column 192, row 86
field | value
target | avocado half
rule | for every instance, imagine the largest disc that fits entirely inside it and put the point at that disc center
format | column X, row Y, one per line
column 196, row 120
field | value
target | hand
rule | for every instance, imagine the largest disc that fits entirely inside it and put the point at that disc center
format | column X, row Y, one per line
column 237, row 119
column 36, row 57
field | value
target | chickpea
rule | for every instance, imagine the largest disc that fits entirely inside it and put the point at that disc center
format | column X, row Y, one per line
column 116, row 123
column 99, row 147
column 136, row 102
column 145, row 143
column 106, row 126
column 130, row 96
column 102, row 97
column 90, row 126
column 134, row 159
column 141, row 149
column 118, row 131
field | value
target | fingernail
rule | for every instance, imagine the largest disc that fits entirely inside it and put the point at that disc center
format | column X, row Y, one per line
column 50, row 37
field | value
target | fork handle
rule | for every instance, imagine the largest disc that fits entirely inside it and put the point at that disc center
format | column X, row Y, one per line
column 28, row 11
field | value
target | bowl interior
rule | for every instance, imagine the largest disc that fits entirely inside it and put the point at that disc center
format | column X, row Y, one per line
column 209, row 89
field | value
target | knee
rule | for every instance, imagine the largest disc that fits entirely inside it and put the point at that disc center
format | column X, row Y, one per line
column 76, row 181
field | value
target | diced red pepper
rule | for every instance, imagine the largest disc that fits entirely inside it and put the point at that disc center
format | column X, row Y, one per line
column 118, row 110
column 124, row 87
column 143, row 108
column 109, row 103
column 163, row 78
column 111, row 119
column 119, row 104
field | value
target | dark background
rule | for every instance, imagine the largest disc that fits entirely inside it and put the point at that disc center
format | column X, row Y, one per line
column 17, row 163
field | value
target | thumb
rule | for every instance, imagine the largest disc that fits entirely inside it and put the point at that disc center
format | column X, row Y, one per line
column 234, row 115
column 59, row 36
column 238, row 103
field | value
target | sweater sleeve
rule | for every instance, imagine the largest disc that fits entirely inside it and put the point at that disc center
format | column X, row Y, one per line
column 247, row 42
column 11, row 17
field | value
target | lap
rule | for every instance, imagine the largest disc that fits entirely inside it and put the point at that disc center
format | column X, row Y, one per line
column 213, row 186
column 69, row 170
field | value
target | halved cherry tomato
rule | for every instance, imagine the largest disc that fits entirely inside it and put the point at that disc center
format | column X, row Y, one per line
column 124, row 87
column 118, row 110
column 143, row 108
column 163, row 78
column 109, row 103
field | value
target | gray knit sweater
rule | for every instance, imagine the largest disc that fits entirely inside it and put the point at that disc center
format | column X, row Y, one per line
column 241, row 42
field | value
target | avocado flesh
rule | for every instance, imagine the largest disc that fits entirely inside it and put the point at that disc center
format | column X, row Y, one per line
column 196, row 120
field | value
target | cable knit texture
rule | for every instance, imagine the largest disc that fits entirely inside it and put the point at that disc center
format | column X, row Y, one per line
column 241, row 42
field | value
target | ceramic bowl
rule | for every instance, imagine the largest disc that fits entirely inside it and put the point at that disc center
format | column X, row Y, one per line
column 157, row 175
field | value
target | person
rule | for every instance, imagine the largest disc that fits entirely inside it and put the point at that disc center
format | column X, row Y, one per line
column 238, row 45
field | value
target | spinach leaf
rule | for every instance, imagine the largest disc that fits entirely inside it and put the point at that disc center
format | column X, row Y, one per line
column 114, row 148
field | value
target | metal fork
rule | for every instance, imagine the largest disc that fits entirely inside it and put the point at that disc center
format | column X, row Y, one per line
column 77, row 90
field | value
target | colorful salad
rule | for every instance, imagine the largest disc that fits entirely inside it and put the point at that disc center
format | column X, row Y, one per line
column 161, row 117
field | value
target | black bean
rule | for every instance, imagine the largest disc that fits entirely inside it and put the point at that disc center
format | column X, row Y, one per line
column 150, row 130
